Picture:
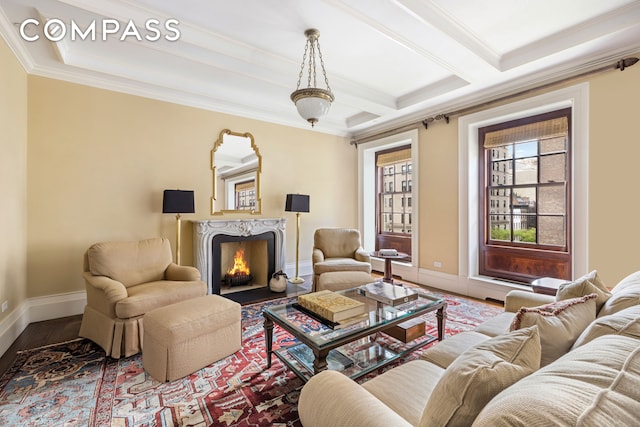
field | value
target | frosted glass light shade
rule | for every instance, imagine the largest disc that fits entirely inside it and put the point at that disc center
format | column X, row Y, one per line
column 312, row 103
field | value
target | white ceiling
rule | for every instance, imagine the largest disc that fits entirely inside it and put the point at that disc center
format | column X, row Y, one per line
column 389, row 63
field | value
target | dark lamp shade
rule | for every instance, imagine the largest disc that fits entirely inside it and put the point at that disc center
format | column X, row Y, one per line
column 297, row 203
column 178, row 201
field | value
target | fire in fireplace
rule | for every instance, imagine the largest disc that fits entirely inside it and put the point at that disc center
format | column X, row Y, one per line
column 239, row 274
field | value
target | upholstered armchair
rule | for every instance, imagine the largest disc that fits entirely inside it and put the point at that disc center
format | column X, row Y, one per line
column 124, row 280
column 338, row 249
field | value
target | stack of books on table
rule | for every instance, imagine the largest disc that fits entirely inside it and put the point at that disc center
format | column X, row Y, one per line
column 387, row 293
column 332, row 306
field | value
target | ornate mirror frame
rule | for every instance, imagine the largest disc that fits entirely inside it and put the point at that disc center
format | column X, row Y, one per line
column 219, row 195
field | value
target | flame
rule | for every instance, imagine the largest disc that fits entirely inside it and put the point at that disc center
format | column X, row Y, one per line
column 239, row 264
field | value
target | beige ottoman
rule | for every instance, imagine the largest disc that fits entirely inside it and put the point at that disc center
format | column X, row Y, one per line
column 339, row 280
column 182, row 338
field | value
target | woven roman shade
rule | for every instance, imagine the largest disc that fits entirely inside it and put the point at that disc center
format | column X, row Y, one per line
column 245, row 185
column 392, row 157
column 534, row 131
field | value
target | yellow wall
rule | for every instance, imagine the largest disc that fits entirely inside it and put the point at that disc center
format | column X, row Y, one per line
column 614, row 151
column 439, row 197
column 99, row 161
column 13, row 166
column 614, row 174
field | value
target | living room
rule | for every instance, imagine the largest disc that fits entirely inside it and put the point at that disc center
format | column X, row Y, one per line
column 84, row 164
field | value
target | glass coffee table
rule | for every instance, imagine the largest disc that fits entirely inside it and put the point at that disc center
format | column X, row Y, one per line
column 354, row 349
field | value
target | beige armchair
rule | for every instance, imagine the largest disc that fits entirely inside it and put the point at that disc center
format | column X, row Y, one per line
column 124, row 280
column 338, row 249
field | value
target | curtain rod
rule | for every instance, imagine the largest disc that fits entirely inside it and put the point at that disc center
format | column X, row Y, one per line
column 621, row 65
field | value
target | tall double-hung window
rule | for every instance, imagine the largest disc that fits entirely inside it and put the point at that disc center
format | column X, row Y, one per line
column 525, row 194
column 394, row 185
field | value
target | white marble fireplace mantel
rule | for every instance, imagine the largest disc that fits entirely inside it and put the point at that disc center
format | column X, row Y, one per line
column 205, row 230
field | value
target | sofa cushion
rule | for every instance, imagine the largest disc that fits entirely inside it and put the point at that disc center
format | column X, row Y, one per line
column 585, row 285
column 560, row 323
column 340, row 280
column 594, row 385
column 418, row 378
column 445, row 352
column 480, row 373
column 341, row 264
column 149, row 296
column 625, row 322
column 496, row 325
column 625, row 294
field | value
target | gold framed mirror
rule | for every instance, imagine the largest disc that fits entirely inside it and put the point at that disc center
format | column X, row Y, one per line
column 236, row 164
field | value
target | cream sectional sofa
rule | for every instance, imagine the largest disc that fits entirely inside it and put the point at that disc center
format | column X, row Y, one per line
column 575, row 361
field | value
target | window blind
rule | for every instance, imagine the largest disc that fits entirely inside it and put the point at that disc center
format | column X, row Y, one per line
column 392, row 157
column 552, row 128
column 245, row 185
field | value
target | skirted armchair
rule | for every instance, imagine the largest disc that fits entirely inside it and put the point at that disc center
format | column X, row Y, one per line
column 338, row 249
column 124, row 280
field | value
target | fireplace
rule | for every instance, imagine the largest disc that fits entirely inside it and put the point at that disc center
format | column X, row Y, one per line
column 242, row 262
column 216, row 243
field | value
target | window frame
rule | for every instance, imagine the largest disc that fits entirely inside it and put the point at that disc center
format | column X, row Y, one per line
column 515, row 261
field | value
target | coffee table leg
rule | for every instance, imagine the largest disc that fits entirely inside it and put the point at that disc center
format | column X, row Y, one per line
column 268, row 339
column 320, row 362
column 441, row 314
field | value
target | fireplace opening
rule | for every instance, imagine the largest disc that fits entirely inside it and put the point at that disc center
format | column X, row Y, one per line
column 240, row 273
column 242, row 263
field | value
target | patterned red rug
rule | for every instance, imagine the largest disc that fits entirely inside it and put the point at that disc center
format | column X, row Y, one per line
column 74, row 384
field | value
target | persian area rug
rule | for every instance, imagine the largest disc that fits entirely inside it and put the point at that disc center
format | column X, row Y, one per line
column 74, row 384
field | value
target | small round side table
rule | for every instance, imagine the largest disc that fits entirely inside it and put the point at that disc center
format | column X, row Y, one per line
column 547, row 285
column 388, row 276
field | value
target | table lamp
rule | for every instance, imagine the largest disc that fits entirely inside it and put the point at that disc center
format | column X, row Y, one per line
column 297, row 203
column 178, row 202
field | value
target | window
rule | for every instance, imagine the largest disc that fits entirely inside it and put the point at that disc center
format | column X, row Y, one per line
column 245, row 195
column 394, row 199
column 525, row 198
column 369, row 185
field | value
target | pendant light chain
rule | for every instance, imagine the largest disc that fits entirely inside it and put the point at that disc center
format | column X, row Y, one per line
column 304, row 60
column 312, row 63
column 313, row 42
column 326, row 80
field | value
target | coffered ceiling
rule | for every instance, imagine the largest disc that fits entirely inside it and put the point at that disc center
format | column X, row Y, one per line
column 389, row 62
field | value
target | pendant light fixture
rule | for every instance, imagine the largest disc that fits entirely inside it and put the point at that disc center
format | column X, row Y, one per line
column 312, row 102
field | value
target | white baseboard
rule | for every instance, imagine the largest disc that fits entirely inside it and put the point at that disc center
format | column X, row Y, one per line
column 305, row 268
column 36, row 310
column 475, row 287
column 443, row 281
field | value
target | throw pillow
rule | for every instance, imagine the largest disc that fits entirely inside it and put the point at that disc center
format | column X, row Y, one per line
column 595, row 280
column 480, row 373
column 560, row 324
column 625, row 322
column 581, row 287
column 625, row 294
